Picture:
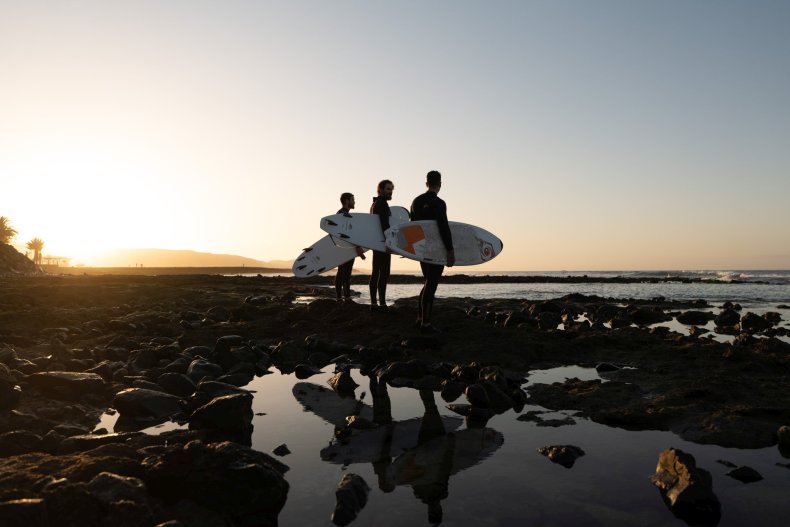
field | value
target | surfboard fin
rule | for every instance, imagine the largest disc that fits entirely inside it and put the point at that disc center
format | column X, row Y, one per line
column 346, row 236
column 332, row 223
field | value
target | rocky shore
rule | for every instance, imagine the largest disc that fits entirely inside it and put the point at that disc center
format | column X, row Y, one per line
column 181, row 347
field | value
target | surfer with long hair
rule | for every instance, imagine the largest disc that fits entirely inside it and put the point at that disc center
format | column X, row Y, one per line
column 381, row 260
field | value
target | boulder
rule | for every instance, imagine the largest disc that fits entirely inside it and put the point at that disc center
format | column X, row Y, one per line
column 221, row 354
column 139, row 404
column 226, row 477
column 200, row 369
column 727, row 318
column 477, row 396
column 85, row 442
column 67, row 384
column 751, row 323
column 109, row 488
column 686, row 489
column 565, row 455
column 695, row 318
column 342, row 383
column 304, row 371
column 549, row 320
column 176, row 384
column 228, row 414
column 208, row 390
column 451, row 390
column 19, row 442
column 644, row 316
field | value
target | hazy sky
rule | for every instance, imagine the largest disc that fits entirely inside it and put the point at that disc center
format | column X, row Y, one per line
column 588, row 135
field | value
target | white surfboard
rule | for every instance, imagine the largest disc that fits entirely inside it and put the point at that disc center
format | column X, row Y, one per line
column 363, row 230
column 398, row 215
column 320, row 257
column 420, row 240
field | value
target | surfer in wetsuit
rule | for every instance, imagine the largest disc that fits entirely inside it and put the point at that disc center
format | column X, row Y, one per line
column 343, row 276
column 429, row 206
column 381, row 260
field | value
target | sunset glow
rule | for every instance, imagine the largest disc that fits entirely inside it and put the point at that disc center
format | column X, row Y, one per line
column 585, row 135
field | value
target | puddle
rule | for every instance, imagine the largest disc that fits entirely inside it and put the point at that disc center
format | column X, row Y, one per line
column 428, row 464
column 563, row 373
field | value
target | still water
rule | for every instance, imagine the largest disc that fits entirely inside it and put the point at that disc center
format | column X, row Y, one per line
column 508, row 485
column 491, row 475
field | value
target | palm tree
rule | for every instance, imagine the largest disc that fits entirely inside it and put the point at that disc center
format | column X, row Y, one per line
column 7, row 232
column 35, row 245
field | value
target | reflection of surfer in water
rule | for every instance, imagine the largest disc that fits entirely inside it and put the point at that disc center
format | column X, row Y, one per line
column 433, row 482
column 420, row 452
column 428, row 476
column 382, row 416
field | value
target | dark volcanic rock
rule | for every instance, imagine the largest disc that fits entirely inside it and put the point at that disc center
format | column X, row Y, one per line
column 226, row 477
column 686, row 489
column 752, row 323
column 81, row 443
column 200, row 369
column 139, row 404
column 67, row 384
column 695, row 318
column 727, row 318
column 565, row 455
column 228, row 414
column 176, row 384
column 342, row 383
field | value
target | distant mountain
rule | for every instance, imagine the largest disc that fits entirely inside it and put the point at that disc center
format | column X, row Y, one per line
column 178, row 258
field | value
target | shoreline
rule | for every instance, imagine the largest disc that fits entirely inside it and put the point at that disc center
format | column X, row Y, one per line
column 395, row 278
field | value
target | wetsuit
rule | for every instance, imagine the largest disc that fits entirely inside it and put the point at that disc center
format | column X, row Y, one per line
column 343, row 276
column 381, row 260
column 429, row 206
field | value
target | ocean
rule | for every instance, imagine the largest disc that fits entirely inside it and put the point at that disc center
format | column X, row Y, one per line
column 754, row 289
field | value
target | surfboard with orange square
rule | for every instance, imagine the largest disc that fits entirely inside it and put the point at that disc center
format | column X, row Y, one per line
column 420, row 240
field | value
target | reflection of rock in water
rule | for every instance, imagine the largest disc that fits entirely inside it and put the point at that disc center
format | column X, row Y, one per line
column 351, row 496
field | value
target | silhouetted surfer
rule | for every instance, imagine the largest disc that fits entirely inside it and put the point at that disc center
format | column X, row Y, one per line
column 381, row 260
column 343, row 276
column 430, row 206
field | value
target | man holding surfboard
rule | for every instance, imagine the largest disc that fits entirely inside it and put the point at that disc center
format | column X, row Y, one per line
column 429, row 206
column 343, row 276
column 381, row 260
